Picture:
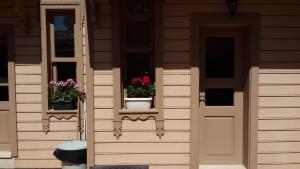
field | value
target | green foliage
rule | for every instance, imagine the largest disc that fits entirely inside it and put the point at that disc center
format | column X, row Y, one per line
column 65, row 95
column 67, row 91
column 141, row 87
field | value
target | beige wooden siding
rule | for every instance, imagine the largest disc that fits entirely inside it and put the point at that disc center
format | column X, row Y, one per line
column 279, row 90
column 177, row 81
column 103, row 78
column 35, row 148
column 279, row 95
column 139, row 143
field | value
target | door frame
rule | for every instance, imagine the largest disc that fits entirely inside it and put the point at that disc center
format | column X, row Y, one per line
column 251, row 23
column 9, row 31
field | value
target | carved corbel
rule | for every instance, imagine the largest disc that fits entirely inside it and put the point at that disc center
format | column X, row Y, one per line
column 160, row 129
column 117, row 129
column 46, row 125
column 59, row 115
column 141, row 115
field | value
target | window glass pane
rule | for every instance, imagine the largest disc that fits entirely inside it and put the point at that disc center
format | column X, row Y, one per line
column 66, row 71
column 219, row 97
column 138, row 9
column 138, row 23
column 138, row 65
column 4, row 93
column 138, row 34
column 3, row 57
column 64, row 35
column 219, row 57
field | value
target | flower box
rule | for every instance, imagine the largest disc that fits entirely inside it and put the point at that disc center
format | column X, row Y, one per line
column 65, row 94
column 140, row 93
column 64, row 105
column 138, row 103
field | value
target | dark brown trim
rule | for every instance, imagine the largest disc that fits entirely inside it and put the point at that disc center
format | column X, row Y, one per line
column 250, row 21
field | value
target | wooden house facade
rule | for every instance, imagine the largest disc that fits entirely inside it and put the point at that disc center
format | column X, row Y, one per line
column 227, row 83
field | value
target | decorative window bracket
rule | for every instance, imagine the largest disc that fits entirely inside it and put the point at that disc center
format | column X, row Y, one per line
column 59, row 115
column 135, row 115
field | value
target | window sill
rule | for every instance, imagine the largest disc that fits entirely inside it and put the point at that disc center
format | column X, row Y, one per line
column 5, row 154
column 138, row 111
column 138, row 114
column 59, row 115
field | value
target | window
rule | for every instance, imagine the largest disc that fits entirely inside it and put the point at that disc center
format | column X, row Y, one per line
column 62, row 58
column 138, row 38
column 138, row 33
column 219, row 57
column 62, row 52
column 219, row 97
column 63, row 33
column 8, row 141
column 4, row 96
column 62, row 62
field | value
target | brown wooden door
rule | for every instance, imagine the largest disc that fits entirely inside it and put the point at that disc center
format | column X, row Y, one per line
column 7, row 92
column 221, row 96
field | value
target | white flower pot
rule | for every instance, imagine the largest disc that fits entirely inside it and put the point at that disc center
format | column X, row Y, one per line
column 138, row 103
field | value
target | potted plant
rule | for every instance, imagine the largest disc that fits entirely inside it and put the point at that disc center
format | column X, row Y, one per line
column 65, row 94
column 140, row 93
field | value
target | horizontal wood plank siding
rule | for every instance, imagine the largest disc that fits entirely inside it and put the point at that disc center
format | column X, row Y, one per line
column 139, row 143
column 279, row 89
column 35, row 148
column 279, row 99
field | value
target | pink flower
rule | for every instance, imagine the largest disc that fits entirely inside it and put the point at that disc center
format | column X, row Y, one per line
column 53, row 84
column 71, row 82
column 60, row 84
column 81, row 90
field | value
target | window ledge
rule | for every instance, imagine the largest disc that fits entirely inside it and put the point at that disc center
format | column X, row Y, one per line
column 138, row 111
column 222, row 167
column 59, row 115
column 5, row 154
column 138, row 114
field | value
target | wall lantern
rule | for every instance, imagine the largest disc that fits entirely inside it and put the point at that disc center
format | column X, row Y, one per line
column 232, row 6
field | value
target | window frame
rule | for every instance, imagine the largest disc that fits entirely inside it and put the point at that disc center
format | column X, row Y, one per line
column 48, row 59
column 10, row 105
column 144, row 51
column 157, row 111
column 51, row 34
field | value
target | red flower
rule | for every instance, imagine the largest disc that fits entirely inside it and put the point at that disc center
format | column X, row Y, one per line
column 146, row 80
column 136, row 80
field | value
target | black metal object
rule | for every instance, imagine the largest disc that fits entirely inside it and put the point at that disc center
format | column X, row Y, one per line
column 232, row 6
column 71, row 156
column 121, row 167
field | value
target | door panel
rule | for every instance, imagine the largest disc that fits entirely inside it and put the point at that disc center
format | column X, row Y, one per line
column 221, row 96
column 222, row 143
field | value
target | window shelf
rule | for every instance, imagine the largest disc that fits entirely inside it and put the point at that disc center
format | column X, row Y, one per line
column 134, row 115
column 59, row 115
column 64, row 59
